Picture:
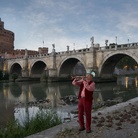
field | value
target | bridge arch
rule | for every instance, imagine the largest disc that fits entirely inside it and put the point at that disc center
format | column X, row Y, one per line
column 109, row 62
column 16, row 68
column 37, row 68
column 67, row 67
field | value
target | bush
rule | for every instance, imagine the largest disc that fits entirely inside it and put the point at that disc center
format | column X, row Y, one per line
column 1, row 74
column 43, row 120
column 14, row 76
column 6, row 76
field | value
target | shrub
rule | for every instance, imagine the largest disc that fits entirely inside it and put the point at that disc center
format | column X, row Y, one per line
column 6, row 76
column 43, row 120
column 14, row 76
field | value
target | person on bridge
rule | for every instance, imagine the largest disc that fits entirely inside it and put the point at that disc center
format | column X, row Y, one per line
column 85, row 96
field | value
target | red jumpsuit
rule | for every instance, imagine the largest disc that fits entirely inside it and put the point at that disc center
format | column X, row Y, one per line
column 85, row 97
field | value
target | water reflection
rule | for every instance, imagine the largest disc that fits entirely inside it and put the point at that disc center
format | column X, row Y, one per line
column 127, row 81
column 38, row 91
column 17, row 96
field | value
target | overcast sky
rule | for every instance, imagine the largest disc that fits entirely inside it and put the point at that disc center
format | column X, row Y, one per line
column 41, row 23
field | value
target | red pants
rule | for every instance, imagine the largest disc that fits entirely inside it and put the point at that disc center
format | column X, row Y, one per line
column 84, row 107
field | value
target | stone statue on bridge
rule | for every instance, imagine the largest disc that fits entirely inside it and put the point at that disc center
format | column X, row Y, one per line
column 53, row 48
column 92, row 41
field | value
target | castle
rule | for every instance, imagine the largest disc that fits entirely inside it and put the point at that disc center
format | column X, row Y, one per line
column 7, row 45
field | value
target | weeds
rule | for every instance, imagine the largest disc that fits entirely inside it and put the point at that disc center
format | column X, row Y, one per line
column 43, row 120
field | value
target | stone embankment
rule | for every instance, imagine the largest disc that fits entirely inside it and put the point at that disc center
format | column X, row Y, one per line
column 117, row 121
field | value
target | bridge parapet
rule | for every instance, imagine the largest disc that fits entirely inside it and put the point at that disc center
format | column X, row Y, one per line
column 31, row 56
column 15, row 58
column 118, row 47
column 74, row 51
column 38, row 56
column 58, row 53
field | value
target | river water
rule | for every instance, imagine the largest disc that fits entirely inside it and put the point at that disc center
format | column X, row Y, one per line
column 24, row 99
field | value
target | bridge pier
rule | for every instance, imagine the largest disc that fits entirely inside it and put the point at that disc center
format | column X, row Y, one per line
column 25, row 73
column 49, row 75
column 52, row 75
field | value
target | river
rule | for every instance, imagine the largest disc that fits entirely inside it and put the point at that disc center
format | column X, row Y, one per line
column 24, row 99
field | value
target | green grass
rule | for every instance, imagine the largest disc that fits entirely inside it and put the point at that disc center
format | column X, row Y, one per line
column 42, row 121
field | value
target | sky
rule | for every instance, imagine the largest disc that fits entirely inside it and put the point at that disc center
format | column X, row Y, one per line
column 41, row 23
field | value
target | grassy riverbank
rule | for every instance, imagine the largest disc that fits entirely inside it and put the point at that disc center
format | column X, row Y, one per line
column 127, row 128
column 42, row 121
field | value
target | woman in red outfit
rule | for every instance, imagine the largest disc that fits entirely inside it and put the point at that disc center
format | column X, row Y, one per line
column 85, row 97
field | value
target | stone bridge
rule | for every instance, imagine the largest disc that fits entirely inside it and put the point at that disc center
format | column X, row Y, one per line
column 56, row 66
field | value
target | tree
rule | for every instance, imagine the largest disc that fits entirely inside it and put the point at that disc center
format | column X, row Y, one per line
column 1, row 75
column 127, row 61
column 14, row 76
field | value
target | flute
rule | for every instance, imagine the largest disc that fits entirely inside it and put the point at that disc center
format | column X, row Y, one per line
column 78, row 77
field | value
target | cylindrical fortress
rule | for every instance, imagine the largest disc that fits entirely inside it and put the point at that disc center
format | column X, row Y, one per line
column 6, row 39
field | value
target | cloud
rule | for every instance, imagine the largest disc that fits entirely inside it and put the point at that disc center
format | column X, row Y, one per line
column 68, row 22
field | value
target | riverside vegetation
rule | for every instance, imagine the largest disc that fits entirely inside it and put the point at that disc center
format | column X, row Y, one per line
column 42, row 121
